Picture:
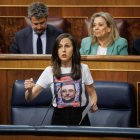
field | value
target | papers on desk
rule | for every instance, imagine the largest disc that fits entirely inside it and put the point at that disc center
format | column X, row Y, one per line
column 86, row 110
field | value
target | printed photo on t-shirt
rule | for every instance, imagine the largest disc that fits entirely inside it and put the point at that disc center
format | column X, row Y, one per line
column 68, row 91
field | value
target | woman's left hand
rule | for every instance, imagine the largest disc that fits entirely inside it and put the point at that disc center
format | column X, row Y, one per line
column 94, row 107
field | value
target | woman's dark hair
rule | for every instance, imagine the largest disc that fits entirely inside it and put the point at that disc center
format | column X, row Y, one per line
column 76, row 58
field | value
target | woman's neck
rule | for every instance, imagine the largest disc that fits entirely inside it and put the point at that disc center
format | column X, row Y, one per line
column 103, row 42
column 66, row 64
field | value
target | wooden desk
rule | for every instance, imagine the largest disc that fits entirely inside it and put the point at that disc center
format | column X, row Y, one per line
column 106, row 68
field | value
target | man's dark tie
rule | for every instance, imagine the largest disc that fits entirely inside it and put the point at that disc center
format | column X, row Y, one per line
column 39, row 44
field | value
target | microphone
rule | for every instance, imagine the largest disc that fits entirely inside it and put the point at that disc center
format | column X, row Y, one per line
column 42, row 122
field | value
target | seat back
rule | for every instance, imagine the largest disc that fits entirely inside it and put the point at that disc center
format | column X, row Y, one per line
column 116, row 102
column 58, row 22
column 30, row 113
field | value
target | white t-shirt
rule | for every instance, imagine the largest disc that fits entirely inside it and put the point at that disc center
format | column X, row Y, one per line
column 101, row 51
column 46, row 79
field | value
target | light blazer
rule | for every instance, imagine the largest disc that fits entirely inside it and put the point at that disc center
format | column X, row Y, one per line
column 119, row 47
column 23, row 41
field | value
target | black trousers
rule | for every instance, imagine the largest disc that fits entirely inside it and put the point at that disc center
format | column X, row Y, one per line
column 69, row 116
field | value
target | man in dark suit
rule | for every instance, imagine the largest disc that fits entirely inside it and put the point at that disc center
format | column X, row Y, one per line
column 136, row 47
column 25, row 40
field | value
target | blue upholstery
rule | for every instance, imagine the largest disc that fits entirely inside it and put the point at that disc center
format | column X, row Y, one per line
column 115, row 101
column 30, row 113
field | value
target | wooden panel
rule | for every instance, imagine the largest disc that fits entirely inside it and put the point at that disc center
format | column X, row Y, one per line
column 3, row 96
column 109, row 75
column 59, row 8
column 73, row 2
column 61, row 11
column 8, row 28
column 39, row 62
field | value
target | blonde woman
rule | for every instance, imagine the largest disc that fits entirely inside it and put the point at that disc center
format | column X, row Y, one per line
column 104, row 38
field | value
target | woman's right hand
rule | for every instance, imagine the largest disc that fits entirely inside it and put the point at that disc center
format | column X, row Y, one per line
column 29, row 84
column 31, row 89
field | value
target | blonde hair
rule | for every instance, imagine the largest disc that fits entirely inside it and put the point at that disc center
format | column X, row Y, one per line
column 113, row 35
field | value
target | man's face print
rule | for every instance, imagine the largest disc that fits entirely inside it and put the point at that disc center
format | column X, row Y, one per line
column 68, row 92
